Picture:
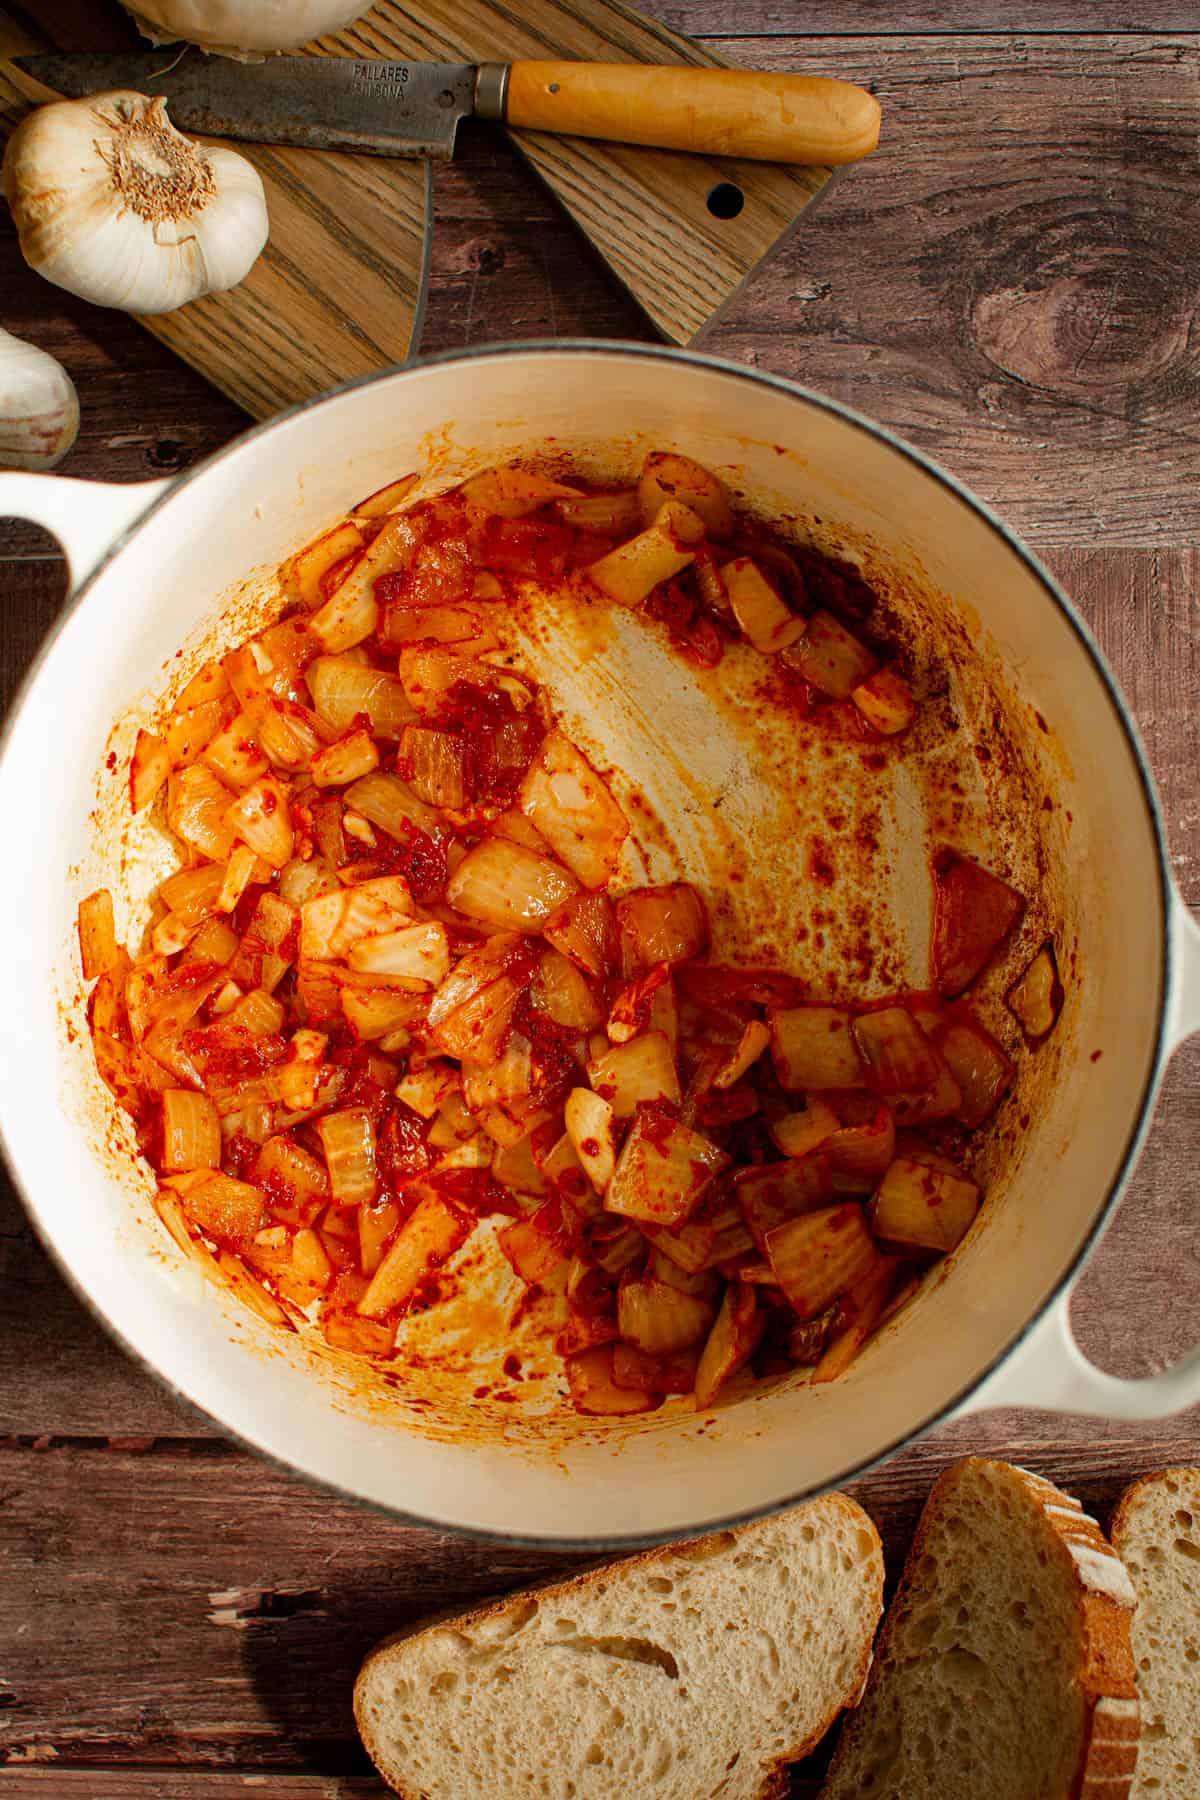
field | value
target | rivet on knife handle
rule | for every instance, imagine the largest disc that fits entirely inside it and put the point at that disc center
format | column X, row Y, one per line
column 718, row 112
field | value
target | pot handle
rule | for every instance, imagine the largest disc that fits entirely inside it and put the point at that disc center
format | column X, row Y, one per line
column 1183, row 1013
column 1049, row 1372
column 89, row 518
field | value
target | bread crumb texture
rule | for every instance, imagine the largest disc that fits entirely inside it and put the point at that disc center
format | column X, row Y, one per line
column 983, row 1681
column 694, row 1672
column 1157, row 1530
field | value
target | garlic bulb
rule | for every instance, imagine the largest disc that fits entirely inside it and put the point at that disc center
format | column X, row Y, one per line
column 115, row 205
column 39, row 408
column 239, row 26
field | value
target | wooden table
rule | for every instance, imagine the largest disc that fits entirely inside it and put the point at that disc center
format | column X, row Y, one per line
column 1011, row 283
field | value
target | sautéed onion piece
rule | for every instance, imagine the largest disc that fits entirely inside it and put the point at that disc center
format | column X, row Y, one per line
column 398, row 983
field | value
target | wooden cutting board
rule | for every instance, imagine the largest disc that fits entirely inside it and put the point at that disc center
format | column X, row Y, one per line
column 340, row 289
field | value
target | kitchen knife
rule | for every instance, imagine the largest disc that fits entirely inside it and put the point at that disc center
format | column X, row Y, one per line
column 414, row 108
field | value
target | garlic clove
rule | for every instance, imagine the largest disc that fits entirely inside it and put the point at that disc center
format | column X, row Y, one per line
column 39, row 408
column 241, row 27
column 114, row 204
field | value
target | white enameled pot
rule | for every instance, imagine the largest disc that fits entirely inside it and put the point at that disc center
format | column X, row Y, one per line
column 153, row 565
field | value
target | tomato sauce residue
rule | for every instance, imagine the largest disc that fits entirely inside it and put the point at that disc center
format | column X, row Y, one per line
column 392, row 1096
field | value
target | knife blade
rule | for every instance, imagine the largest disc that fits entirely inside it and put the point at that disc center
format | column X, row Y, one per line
column 317, row 102
column 415, row 108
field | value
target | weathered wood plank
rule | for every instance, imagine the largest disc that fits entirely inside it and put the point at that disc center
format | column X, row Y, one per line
column 1008, row 285
column 1009, row 281
column 195, row 1607
column 53, row 1781
column 912, row 18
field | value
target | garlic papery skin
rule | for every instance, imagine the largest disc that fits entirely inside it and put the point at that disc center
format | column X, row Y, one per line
column 241, row 27
column 39, row 408
column 115, row 205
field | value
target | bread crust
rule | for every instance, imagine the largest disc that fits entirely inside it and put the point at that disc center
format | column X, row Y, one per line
column 1108, row 1757
column 775, row 1780
column 1122, row 1519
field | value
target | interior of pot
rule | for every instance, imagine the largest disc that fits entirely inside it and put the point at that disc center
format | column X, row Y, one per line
column 808, row 858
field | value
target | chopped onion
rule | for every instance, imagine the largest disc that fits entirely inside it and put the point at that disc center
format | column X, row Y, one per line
column 660, row 925
column 432, row 1232
column 386, row 499
column 191, row 1131
column 817, row 1256
column 594, row 1390
column 601, row 512
column 590, row 1123
column 570, row 806
column 774, row 1192
column 923, row 1206
column 974, row 911
column 341, row 688
column 1037, row 997
column 504, row 884
column 302, row 575
column 437, row 764
column 193, row 893
column 656, row 1317
column 630, row 1075
column 768, row 623
column 799, row 1133
column 750, row 1047
column 235, row 754
column 813, row 1047
column 262, row 818
column 377, row 1012
column 148, row 769
column 391, row 804
column 886, row 703
column 731, row 1342
column 560, row 991
column 348, row 1140
column 477, row 1030
column 628, row 573
column 980, row 1068
column 417, row 952
column 512, row 492
column 196, row 806
column 830, row 658
column 186, row 734
column 859, row 1312
column 584, row 928
column 899, row 1057
column 350, row 613
column 662, row 1171
column 98, row 947
column 668, row 477
column 225, row 1208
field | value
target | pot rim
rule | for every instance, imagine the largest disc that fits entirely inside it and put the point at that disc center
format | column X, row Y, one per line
column 1055, row 593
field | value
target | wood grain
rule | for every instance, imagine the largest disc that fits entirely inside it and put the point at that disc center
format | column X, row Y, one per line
column 882, row 18
column 646, row 211
column 1023, row 167
column 222, row 1617
column 1009, row 283
column 339, row 289
column 968, row 243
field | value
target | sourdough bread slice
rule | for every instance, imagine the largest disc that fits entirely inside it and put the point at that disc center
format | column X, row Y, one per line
column 1157, row 1532
column 680, row 1674
column 1003, row 1670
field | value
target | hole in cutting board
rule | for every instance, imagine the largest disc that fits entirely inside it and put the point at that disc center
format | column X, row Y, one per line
column 726, row 200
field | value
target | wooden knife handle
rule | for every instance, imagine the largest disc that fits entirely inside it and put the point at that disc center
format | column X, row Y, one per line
column 718, row 112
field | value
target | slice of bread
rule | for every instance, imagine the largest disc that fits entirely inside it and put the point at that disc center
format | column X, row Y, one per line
column 680, row 1674
column 1157, row 1532
column 1003, row 1670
